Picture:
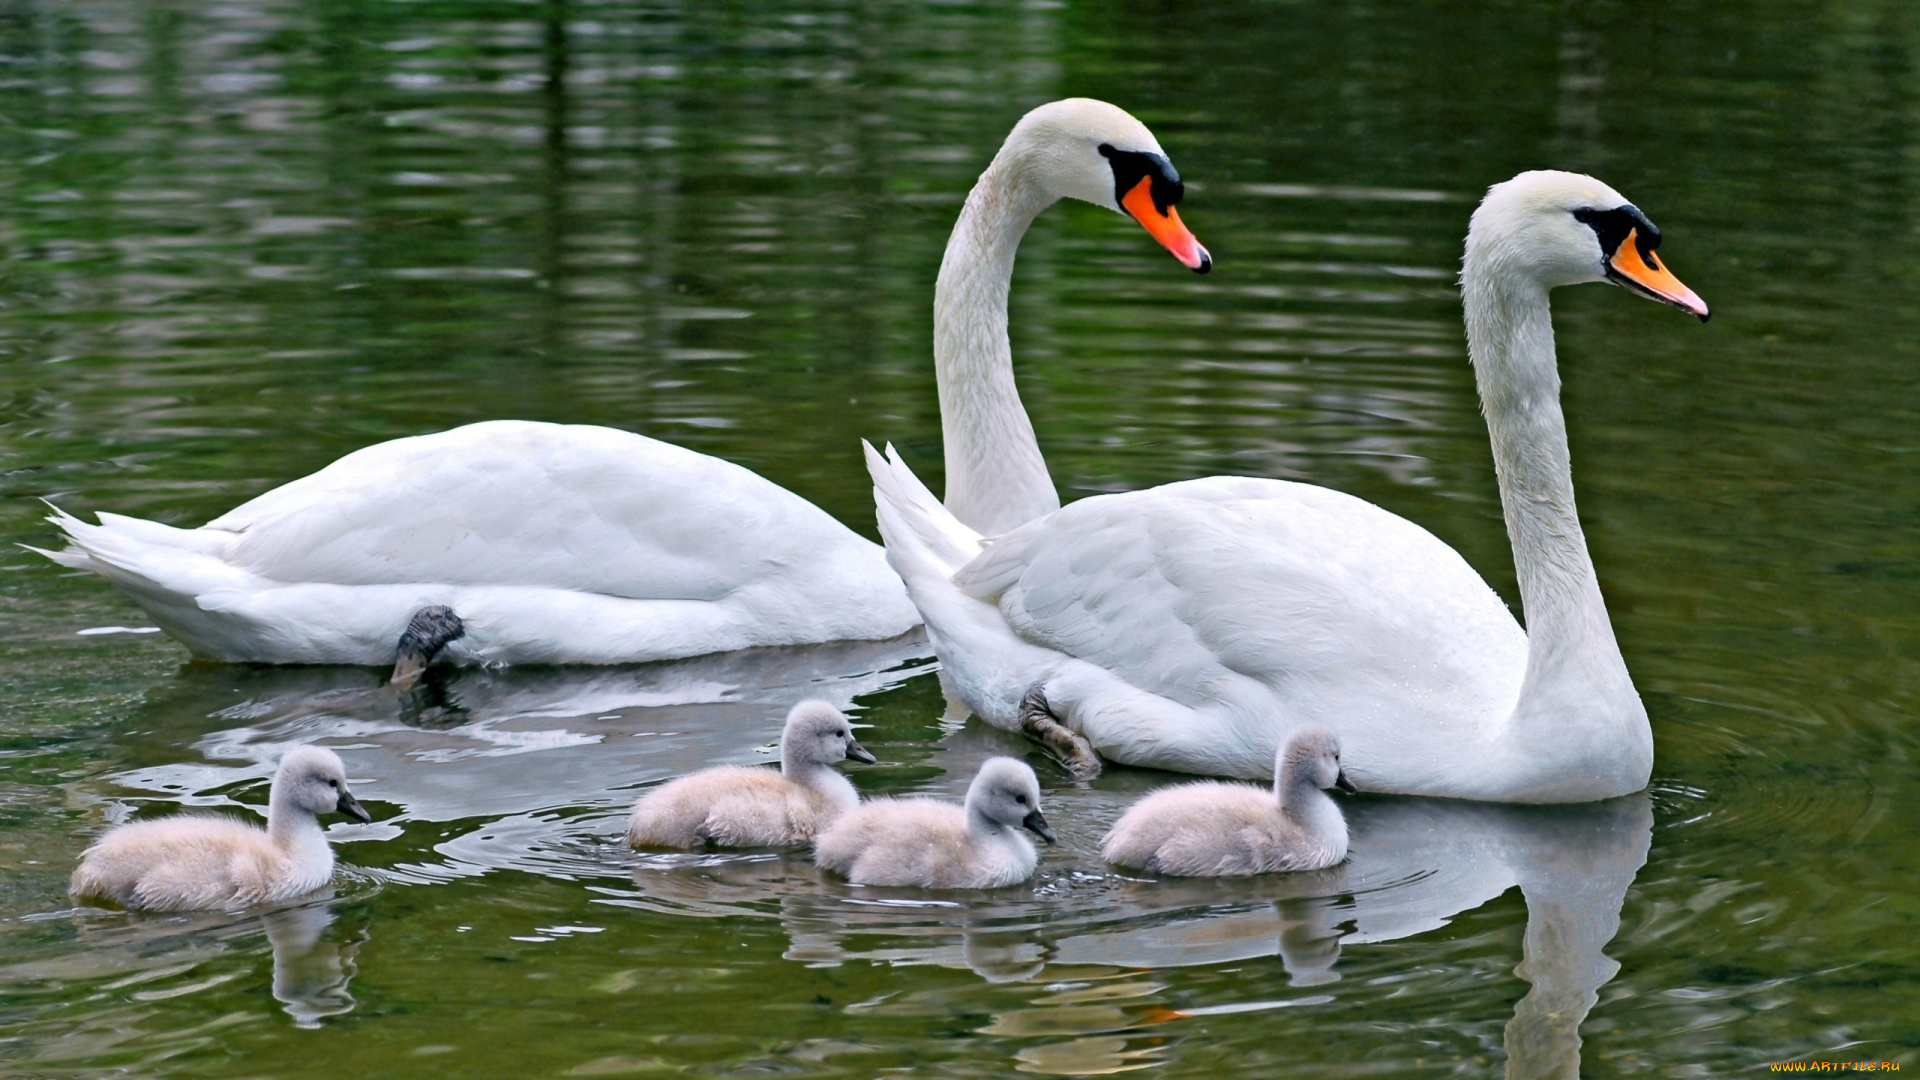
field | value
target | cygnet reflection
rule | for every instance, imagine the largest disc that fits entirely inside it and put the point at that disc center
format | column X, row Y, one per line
column 311, row 969
column 142, row 958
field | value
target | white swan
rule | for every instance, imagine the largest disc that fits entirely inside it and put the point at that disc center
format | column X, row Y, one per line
column 742, row 806
column 193, row 862
column 1192, row 626
column 930, row 844
column 523, row 542
column 1215, row 829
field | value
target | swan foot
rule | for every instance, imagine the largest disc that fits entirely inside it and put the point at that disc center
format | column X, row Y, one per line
column 1038, row 723
column 430, row 630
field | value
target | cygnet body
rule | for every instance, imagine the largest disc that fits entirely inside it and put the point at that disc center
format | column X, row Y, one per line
column 195, row 862
column 744, row 806
column 933, row 844
column 1215, row 829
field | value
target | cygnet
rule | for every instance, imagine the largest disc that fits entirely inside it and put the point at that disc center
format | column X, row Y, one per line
column 190, row 862
column 1215, row 829
column 937, row 845
column 745, row 806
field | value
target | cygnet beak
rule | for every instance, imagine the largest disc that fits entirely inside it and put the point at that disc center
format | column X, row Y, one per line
column 1340, row 781
column 351, row 807
column 1037, row 825
column 860, row 753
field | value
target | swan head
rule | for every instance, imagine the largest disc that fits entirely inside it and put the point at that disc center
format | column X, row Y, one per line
column 1006, row 793
column 1562, row 228
column 819, row 734
column 1089, row 150
column 312, row 779
column 1311, row 755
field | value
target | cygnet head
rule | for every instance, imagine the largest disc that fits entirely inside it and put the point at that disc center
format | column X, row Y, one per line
column 1007, row 794
column 1561, row 228
column 1084, row 149
column 1311, row 754
column 818, row 734
column 312, row 779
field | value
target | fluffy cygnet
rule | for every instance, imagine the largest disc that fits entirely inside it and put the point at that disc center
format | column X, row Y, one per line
column 190, row 862
column 1214, row 829
column 743, row 806
column 937, row 845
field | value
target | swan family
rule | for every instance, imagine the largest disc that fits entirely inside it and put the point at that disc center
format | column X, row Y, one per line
column 1225, row 626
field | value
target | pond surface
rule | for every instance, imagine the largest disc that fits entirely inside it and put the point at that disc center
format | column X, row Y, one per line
column 245, row 237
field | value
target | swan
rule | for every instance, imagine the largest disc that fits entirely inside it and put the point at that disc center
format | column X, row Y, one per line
column 1191, row 626
column 1214, row 829
column 739, row 806
column 514, row 541
column 932, row 844
column 192, row 862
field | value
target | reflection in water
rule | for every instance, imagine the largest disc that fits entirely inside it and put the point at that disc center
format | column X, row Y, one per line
column 310, row 976
column 138, row 960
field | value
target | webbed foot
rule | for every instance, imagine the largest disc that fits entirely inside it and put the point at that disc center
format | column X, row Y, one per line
column 1072, row 751
column 429, row 631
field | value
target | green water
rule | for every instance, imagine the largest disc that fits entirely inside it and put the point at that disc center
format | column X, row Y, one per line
column 243, row 238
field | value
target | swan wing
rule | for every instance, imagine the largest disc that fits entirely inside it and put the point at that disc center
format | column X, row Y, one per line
column 1260, row 597
column 575, row 507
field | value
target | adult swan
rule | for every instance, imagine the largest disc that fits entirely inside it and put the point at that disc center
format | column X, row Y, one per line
column 1192, row 626
column 519, row 542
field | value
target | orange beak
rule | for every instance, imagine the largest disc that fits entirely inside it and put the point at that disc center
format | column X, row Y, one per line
column 1642, row 272
column 1166, row 227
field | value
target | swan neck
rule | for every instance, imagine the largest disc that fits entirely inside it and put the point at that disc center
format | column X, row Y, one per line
column 290, row 825
column 1574, row 667
column 794, row 765
column 1313, row 812
column 979, row 824
column 996, row 478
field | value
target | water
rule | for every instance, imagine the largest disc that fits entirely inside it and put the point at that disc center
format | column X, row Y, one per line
column 245, row 238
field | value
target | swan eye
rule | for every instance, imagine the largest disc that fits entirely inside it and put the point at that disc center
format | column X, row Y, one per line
column 1021, row 799
column 1132, row 166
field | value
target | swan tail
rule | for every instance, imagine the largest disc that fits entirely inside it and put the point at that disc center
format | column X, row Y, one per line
column 144, row 557
column 983, row 662
column 176, row 575
column 926, row 536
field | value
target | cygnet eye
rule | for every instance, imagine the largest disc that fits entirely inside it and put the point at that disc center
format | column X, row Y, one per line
column 335, row 784
column 1021, row 799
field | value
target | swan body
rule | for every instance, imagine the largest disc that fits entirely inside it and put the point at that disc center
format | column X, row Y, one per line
column 931, row 844
column 1191, row 626
column 736, row 806
column 530, row 542
column 1215, row 829
column 197, row 862
column 554, row 543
